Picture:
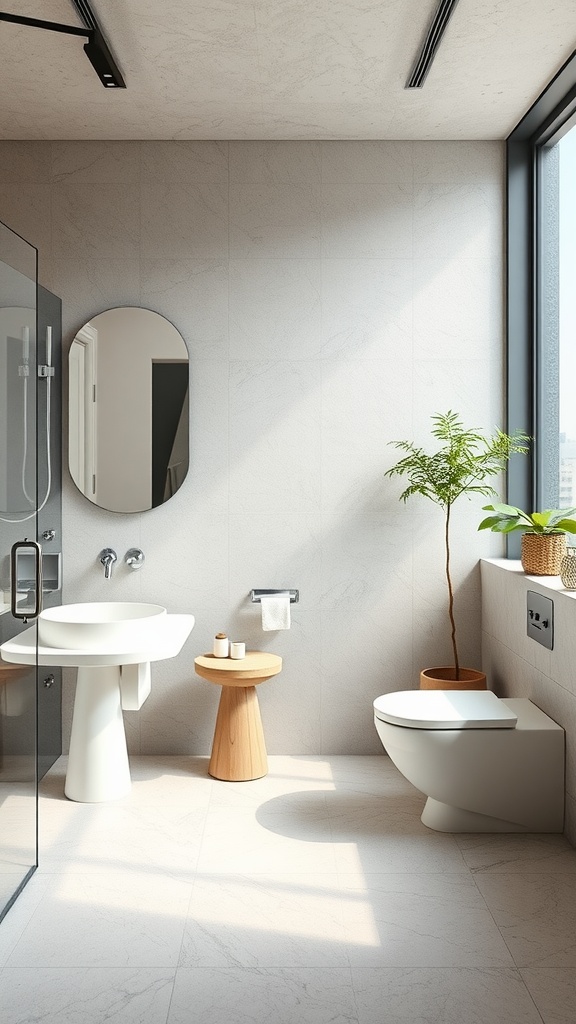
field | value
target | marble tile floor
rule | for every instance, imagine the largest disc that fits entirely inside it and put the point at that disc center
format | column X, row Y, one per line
column 312, row 896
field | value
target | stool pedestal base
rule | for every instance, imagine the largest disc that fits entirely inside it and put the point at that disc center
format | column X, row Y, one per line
column 238, row 750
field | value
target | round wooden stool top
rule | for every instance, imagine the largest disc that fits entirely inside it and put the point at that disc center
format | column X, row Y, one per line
column 255, row 668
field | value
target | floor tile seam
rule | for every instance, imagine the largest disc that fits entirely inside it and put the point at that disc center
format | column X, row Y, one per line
column 159, row 802
column 22, row 933
column 535, row 967
column 545, row 871
column 169, row 1007
column 409, row 871
column 369, row 872
column 114, row 874
column 93, row 969
column 503, row 969
column 234, row 964
column 332, row 844
column 283, row 879
column 522, row 874
column 200, row 839
column 504, row 972
column 455, row 846
column 170, row 964
column 259, row 970
column 530, row 996
column 497, row 926
column 206, row 872
column 191, row 896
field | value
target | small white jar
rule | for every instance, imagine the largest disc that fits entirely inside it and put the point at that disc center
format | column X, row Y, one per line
column 221, row 645
column 237, row 649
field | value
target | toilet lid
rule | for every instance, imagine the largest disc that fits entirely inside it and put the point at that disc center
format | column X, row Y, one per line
column 444, row 709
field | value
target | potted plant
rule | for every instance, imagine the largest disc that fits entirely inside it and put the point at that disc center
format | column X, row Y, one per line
column 543, row 544
column 461, row 466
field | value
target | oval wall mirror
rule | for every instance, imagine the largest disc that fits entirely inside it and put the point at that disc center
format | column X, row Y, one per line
column 128, row 409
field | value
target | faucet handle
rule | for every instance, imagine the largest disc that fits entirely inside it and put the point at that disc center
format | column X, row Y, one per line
column 134, row 558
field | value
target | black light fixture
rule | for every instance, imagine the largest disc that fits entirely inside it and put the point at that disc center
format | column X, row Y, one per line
column 96, row 49
column 437, row 28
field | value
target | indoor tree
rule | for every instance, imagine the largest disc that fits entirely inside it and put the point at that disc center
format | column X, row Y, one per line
column 461, row 466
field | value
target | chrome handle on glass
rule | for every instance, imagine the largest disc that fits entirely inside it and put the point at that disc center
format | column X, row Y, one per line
column 33, row 547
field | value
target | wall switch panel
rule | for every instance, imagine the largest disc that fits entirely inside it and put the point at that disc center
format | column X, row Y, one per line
column 540, row 619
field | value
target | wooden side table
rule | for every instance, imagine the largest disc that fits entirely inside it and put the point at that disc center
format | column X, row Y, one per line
column 238, row 749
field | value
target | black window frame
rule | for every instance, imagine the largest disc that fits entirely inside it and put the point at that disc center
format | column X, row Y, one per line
column 553, row 113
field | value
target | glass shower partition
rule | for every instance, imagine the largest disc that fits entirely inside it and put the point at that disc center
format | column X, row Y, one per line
column 18, row 523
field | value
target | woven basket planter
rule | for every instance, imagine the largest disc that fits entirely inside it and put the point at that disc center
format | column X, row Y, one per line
column 568, row 569
column 542, row 553
column 443, row 679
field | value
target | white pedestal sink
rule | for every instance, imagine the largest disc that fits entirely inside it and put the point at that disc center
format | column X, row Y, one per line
column 111, row 644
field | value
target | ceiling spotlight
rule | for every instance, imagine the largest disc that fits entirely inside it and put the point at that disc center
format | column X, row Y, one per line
column 96, row 49
column 436, row 31
column 102, row 60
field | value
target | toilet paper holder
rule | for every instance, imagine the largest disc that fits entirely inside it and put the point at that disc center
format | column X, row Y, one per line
column 257, row 595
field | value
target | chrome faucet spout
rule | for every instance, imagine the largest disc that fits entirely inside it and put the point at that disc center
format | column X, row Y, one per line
column 108, row 557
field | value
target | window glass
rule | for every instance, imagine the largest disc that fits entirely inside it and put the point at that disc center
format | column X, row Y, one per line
column 567, row 317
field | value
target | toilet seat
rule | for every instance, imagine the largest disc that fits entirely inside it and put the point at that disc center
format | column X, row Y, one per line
column 444, row 709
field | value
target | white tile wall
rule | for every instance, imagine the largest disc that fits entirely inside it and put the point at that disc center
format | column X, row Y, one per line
column 333, row 295
column 517, row 666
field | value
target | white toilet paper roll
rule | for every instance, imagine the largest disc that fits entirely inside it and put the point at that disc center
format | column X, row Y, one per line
column 275, row 612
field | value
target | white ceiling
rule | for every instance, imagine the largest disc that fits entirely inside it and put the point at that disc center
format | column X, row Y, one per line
column 281, row 69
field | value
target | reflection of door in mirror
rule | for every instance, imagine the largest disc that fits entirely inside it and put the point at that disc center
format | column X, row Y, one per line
column 17, row 409
column 82, row 410
column 169, row 428
column 128, row 442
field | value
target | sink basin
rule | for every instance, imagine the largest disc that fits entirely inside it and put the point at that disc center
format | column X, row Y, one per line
column 83, row 627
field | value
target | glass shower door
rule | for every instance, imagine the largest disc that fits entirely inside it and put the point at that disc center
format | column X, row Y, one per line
column 18, row 523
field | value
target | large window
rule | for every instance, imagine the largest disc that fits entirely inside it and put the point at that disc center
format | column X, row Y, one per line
column 567, row 318
column 555, row 324
column 541, row 286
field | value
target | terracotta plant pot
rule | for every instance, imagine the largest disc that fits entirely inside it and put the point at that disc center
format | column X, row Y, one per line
column 443, row 679
column 542, row 553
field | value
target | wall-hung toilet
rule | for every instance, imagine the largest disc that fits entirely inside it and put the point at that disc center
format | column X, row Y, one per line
column 486, row 764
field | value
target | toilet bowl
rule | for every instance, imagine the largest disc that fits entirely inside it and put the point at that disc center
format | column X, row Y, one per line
column 486, row 764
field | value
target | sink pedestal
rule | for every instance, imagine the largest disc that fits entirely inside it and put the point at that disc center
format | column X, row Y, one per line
column 98, row 766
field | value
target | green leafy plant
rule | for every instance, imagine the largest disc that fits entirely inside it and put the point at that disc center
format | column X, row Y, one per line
column 462, row 466
column 507, row 519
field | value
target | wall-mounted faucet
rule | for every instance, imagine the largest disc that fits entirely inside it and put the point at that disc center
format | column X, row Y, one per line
column 107, row 556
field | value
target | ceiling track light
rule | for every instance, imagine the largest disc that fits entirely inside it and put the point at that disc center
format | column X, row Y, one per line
column 85, row 12
column 96, row 49
column 431, row 43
